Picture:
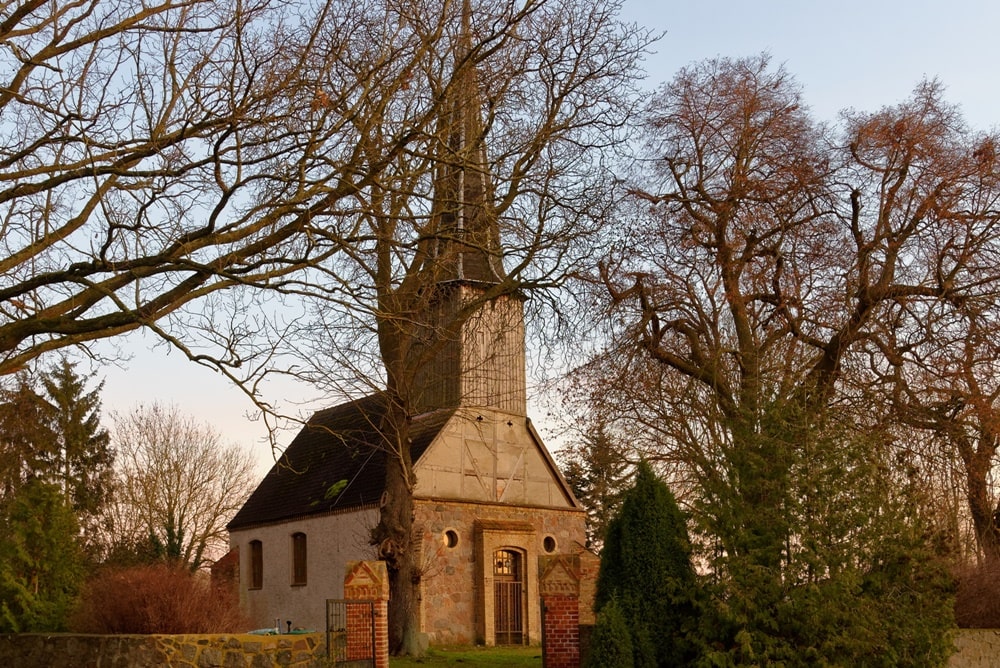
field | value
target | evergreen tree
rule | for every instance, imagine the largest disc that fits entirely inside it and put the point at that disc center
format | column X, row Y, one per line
column 41, row 563
column 820, row 556
column 27, row 441
column 83, row 458
column 610, row 643
column 597, row 471
column 646, row 567
column 50, row 430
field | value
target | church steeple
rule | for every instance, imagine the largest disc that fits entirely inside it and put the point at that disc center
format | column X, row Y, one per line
column 466, row 231
column 480, row 363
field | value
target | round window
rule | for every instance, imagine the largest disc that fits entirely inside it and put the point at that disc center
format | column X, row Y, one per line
column 451, row 538
column 549, row 544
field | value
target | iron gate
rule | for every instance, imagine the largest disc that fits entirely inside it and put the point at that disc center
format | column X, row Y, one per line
column 508, row 605
column 350, row 633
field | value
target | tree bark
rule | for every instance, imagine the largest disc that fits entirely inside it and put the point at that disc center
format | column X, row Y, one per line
column 394, row 533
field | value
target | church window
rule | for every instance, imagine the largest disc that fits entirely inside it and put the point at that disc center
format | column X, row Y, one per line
column 451, row 538
column 298, row 558
column 549, row 544
column 505, row 563
column 256, row 565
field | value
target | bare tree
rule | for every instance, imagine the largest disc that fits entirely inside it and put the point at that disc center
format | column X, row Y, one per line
column 488, row 204
column 770, row 261
column 785, row 281
column 164, row 152
column 155, row 153
column 177, row 485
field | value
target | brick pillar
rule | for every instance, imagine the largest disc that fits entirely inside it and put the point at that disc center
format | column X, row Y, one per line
column 367, row 581
column 559, row 590
column 590, row 564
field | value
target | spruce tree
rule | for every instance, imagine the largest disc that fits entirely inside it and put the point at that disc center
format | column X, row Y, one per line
column 82, row 461
column 597, row 470
column 27, row 441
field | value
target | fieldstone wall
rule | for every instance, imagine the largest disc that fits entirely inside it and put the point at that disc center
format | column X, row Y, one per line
column 976, row 648
column 173, row 651
column 456, row 586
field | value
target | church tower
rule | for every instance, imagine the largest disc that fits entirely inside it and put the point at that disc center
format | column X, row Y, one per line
column 488, row 499
column 476, row 342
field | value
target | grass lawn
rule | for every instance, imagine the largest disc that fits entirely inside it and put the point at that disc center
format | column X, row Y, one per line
column 473, row 656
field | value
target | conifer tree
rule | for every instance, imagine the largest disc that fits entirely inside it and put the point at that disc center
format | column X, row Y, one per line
column 27, row 441
column 611, row 642
column 646, row 567
column 41, row 563
column 82, row 460
column 820, row 553
column 597, row 471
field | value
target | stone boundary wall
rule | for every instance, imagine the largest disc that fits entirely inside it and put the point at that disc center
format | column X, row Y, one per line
column 175, row 651
column 976, row 648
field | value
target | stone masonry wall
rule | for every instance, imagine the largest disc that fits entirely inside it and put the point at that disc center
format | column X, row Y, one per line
column 172, row 651
column 976, row 648
column 453, row 602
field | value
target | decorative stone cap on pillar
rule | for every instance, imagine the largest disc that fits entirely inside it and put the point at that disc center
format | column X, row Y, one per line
column 559, row 575
column 367, row 581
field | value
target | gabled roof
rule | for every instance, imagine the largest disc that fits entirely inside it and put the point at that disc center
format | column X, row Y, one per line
column 337, row 462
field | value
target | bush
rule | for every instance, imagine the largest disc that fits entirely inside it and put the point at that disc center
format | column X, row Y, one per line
column 977, row 601
column 157, row 599
column 610, row 644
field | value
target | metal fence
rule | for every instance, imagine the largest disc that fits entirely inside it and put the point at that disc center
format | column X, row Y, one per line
column 350, row 633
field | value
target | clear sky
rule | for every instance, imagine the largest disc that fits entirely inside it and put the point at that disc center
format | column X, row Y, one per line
column 847, row 53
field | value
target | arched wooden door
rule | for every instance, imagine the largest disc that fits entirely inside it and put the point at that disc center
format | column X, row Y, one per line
column 508, row 601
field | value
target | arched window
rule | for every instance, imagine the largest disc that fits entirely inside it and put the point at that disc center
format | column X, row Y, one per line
column 256, row 565
column 298, row 558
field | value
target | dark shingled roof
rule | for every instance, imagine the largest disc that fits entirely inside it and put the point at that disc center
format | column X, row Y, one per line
column 335, row 463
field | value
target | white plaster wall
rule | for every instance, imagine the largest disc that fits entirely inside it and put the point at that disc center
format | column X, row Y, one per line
column 332, row 541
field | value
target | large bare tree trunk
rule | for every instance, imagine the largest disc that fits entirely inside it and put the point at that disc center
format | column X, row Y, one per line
column 394, row 534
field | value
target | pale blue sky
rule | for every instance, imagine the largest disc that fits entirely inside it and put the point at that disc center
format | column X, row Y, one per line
column 848, row 53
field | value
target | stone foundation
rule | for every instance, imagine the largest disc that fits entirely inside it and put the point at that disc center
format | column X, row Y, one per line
column 176, row 651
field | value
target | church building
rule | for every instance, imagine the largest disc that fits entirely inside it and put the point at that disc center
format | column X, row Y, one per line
column 488, row 499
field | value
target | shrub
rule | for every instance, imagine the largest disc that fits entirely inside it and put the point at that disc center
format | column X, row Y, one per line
column 610, row 644
column 977, row 601
column 157, row 599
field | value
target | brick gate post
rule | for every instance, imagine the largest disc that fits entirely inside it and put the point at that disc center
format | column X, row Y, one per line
column 559, row 590
column 367, row 581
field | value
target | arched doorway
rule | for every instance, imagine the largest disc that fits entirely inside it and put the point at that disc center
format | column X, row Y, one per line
column 508, row 599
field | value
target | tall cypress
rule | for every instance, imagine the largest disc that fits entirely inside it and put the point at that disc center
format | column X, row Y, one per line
column 646, row 568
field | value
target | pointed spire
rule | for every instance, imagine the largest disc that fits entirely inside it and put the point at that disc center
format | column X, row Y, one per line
column 463, row 218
